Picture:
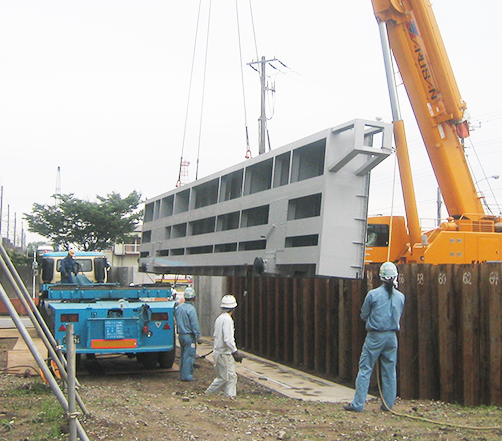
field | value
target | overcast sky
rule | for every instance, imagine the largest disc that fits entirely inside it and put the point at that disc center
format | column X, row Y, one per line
column 100, row 89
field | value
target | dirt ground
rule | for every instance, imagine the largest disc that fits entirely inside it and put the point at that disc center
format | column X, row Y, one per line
column 127, row 403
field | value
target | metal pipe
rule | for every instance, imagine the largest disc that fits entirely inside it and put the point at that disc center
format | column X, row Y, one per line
column 40, row 361
column 36, row 318
column 70, row 354
column 401, row 144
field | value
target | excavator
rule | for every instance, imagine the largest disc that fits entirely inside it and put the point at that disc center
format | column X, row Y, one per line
column 409, row 31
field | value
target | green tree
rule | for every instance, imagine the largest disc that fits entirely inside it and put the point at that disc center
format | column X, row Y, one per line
column 89, row 225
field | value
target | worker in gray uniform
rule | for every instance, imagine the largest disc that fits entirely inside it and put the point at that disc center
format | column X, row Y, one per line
column 187, row 323
column 225, row 352
column 381, row 310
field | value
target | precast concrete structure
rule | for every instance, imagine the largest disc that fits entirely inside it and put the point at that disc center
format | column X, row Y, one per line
column 300, row 210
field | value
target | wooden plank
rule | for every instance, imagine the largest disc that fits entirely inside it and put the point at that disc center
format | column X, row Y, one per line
column 254, row 313
column 357, row 324
column 447, row 336
column 298, row 320
column 470, row 334
column 344, row 331
column 261, row 317
column 408, row 343
column 278, row 317
column 321, row 288
column 308, row 322
column 289, row 322
column 484, row 337
column 270, row 295
column 492, row 284
column 427, row 384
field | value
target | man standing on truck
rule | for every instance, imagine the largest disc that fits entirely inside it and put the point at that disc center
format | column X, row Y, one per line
column 188, row 334
column 224, row 350
column 68, row 268
column 381, row 310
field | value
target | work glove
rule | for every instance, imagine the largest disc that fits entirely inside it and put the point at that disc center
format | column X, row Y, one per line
column 199, row 340
column 237, row 356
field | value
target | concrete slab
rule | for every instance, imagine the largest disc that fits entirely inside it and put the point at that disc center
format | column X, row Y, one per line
column 285, row 380
column 20, row 359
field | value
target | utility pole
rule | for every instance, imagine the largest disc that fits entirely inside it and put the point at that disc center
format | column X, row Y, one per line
column 263, row 117
column 57, row 193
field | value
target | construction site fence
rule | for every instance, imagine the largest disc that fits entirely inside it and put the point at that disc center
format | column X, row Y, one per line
column 449, row 343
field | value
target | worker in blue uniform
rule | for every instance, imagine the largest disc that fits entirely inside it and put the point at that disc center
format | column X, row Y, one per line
column 68, row 268
column 381, row 310
column 188, row 334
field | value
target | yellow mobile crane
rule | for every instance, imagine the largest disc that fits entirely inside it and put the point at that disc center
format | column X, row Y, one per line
column 409, row 29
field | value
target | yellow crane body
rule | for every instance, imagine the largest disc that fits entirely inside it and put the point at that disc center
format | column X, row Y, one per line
column 469, row 235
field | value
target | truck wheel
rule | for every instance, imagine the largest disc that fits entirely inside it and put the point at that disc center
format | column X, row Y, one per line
column 166, row 359
column 148, row 359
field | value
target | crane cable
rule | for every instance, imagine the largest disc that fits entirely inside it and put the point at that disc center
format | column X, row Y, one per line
column 248, row 148
column 428, row 420
column 178, row 182
column 203, row 90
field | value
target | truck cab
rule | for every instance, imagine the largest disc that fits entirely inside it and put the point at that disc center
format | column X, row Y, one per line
column 92, row 265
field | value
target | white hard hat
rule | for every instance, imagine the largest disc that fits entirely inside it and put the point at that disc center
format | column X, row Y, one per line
column 189, row 293
column 388, row 271
column 228, row 302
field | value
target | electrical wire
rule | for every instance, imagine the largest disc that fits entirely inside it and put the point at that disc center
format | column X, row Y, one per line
column 428, row 420
column 485, row 177
column 254, row 32
column 18, row 367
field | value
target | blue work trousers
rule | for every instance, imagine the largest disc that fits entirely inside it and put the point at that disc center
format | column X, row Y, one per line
column 383, row 345
column 187, row 356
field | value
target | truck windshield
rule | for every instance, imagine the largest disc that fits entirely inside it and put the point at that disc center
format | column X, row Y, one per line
column 84, row 265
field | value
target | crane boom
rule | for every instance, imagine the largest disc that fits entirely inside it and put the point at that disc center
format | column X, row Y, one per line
column 433, row 92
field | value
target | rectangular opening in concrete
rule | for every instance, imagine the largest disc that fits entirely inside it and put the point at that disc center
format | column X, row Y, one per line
column 179, row 230
column 225, row 247
column 254, row 216
column 206, row 194
column 258, row 177
column 203, row 226
column 253, row 245
column 146, row 236
column 281, row 170
column 308, row 161
column 307, row 206
column 228, row 221
column 167, row 205
column 309, row 240
column 231, row 186
column 149, row 212
column 167, row 233
column 205, row 249
column 181, row 201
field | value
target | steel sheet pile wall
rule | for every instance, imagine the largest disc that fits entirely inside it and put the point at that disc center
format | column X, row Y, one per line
column 451, row 331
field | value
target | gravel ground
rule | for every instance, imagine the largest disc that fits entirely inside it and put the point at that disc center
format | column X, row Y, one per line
column 127, row 403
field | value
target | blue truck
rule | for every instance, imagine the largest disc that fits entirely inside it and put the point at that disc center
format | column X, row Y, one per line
column 107, row 318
